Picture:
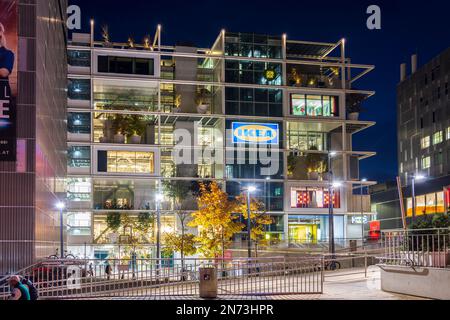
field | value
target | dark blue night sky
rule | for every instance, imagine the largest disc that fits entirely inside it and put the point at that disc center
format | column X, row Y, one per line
column 407, row 27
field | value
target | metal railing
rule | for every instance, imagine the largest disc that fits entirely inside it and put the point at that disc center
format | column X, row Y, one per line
column 417, row 248
column 95, row 278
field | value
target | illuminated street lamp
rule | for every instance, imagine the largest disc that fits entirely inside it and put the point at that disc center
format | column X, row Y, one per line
column 362, row 210
column 61, row 206
column 332, row 186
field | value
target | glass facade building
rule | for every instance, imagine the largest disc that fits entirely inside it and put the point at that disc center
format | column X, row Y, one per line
column 252, row 109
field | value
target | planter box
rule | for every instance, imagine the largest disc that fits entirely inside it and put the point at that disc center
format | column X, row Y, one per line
column 354, row 116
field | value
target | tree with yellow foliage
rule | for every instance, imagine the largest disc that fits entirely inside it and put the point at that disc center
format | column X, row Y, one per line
column 216, row 221
column 259, row 218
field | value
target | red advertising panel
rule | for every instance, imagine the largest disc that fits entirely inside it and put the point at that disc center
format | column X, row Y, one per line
column 375, row 230
column 8, row 79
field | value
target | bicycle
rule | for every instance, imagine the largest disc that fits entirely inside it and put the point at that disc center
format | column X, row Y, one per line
column 329, row 265
column 65, row 257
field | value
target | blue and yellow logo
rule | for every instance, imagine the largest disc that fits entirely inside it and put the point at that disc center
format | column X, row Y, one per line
column 256, row 133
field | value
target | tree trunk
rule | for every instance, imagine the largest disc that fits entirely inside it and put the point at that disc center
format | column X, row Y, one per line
column 182, row 253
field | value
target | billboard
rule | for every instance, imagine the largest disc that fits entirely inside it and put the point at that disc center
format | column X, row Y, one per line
column 256, row 133
column 8, row 78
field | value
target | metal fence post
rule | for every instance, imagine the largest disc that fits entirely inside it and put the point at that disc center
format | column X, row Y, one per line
column 365, row 264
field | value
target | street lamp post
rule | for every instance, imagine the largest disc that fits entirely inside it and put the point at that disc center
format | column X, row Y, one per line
column 362, row 212
column 159, row 197
column 61, row 207
column 331, row 244
column 250, row 189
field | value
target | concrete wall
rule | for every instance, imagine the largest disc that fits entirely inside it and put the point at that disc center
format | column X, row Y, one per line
column 421, row 282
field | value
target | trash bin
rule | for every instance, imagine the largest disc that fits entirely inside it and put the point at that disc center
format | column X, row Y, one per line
column 353, row 245
column 208, row 283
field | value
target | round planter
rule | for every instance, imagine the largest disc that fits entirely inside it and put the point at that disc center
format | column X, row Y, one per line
column 354, row 116
column 103, row 140
column 313, row 176
column 202, row 109
column 119, row 138
column 135, row 139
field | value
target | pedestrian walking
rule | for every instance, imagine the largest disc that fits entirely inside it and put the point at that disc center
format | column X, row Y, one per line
column 108, row 270
column 18, row 290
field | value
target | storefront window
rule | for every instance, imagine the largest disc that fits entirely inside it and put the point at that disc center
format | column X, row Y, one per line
column 314, row 229
column 432, row 203
column 420, row 205
column 126, row 162
column 313, row 197
column 314, row 106
column 440, row 203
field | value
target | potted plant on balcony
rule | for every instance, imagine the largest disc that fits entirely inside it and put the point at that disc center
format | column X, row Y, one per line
column 106, row 37
column 177, row 103
column 315, row 164
column 201, row 101
column 136, row 129
column 354, row 106
column 119, row 126
column 354, row 111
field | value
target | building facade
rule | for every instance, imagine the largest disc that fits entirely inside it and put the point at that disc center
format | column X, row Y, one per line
column 32, row 180
column 423, row 105
column 251, row 110
column 424, row 131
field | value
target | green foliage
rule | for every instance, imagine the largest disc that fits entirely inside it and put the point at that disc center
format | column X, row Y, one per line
column 316, row 162
column 145, row 221
column 215, row 220
column 113, row 221
column 431, row 222
column 177, row 190
column 185, row 244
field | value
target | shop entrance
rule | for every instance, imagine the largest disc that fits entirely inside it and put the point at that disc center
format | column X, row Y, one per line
column 303, row 233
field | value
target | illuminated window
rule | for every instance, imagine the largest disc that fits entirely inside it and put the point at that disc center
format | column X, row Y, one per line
column 426, row 162
column 313, row 106
column 79, row 189
column 440, row 203
column 448, row 133
column 133, row 162
column 313, row 197
column 425, row 142
column 438, row 137
column 302, row 140
column 420, row 205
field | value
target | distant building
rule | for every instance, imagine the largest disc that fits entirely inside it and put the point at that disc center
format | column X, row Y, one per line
column 423, row 143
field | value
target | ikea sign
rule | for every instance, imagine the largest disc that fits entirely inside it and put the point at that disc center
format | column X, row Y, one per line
column 256, row 133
